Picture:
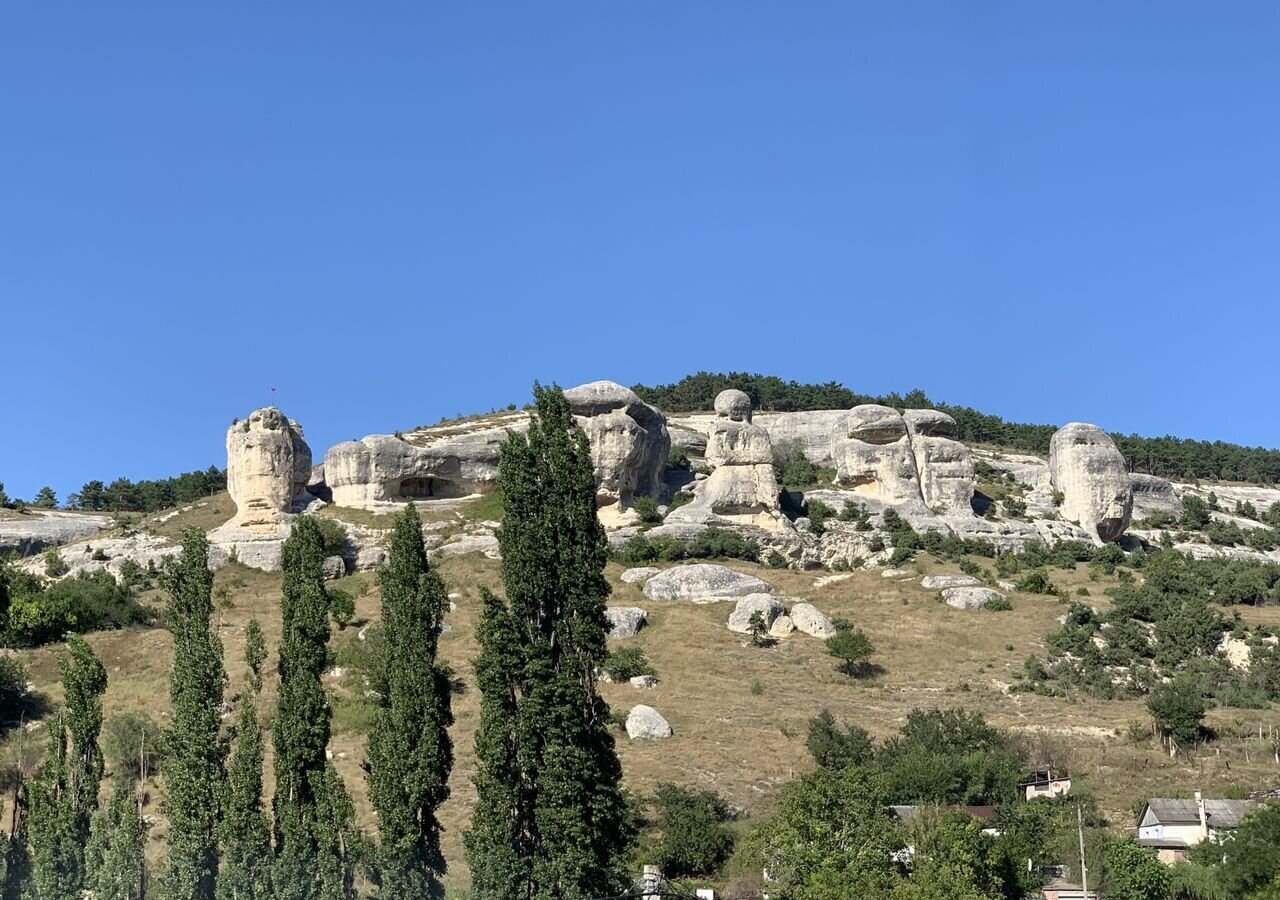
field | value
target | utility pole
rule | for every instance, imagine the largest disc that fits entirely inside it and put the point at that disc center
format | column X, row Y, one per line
column 1084, row 871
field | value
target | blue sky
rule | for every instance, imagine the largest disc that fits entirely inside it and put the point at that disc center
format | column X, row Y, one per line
column 396, row 212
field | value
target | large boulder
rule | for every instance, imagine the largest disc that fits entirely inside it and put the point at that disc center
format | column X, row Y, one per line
column 624, row 621
column 639, row 574
column 970, row 597
column 769, row 608
column 1090, row 473
column 646, row 723
column 704, row 583
column 943, row 464
column 733, row 443
column 268, row 467
column 808, row 618
column 938, row 582
column 630, row 443
column 734, row 405
column 874, row 456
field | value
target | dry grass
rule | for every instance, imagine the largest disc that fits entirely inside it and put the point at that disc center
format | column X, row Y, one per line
column 741, row 743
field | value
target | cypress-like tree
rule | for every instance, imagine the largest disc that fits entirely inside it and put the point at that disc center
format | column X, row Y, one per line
column 550, row 819
column 246, row 839
column 410, row 753
column 309, row 844
column 65, row 796
column 115, row 860
column 195, row 767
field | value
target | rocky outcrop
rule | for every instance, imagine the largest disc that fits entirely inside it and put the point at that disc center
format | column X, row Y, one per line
column 938, row 582
column 268, row 467
column 809, row 619
column 629, row 445
column 769, row 608
column 742, row 490
column 1090, row 473
column 874, row 456
column 704, row 583
column 943, row 464
column 1152, row 494
column 36, row 530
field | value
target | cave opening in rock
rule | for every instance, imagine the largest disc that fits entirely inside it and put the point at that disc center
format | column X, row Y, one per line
column 428, row 487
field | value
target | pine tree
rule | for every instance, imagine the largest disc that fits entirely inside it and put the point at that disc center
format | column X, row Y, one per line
column 310, row 844
column 550, row 820
column 194, row 769
column 410, row 753
column 65, row 796
column 115, row 861
column 246, row 839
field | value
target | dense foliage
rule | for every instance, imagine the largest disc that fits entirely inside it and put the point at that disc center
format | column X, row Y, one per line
column 123, row 495
column 41, row 612
column 550, row 819
column 1168, row 457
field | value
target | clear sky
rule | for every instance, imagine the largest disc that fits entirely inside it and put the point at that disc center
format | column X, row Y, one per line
column 397, row 212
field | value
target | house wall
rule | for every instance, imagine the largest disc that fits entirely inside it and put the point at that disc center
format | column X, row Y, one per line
column 1189, row 834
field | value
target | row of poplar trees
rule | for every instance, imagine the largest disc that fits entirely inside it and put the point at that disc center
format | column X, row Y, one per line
column 550, row 819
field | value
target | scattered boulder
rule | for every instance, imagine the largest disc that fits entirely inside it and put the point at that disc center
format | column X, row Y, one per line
column 703, row 583
column 646, row 723
column 333, row 567
column 769, row 607
column 970, row 597
column 472, row 543
column 782, row 627
column 644, row 681
column 937, row 582
column 268, row 467
column 639, row 574
column 1090, row 473
column 624, row 621
column 807, row 618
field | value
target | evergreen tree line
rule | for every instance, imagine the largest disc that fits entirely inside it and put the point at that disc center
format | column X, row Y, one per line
column 1169, row 457
column 550, row 820
column 123, row 495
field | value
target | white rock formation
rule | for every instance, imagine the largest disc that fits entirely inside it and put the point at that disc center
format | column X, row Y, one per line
column 646, row 723
column 970, row 597
column 1089, row 471
column 639, row 574
column 874, row 456
column 943, row 464
column 624, row 621
column 769, row 607
column 808, row 618
column 268, row 467
column 937, row 582
column 704, row 583
column 38, row 529
column 1152, row 494
column 782, row 627
column 743, row 489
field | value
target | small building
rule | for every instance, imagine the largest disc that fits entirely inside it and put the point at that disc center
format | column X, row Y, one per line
column 1171, row 827
column 1044, row 782
column 1065, row 890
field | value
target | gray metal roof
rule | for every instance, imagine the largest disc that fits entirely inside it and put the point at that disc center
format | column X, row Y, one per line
column 1218, row 813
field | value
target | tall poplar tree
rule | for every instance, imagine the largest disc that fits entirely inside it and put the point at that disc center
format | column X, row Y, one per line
column 312, row 813
column 115, row 861
column 410, row 753
column 65, row 796
column 550, row 818
column 195, row 766
column 246, row 838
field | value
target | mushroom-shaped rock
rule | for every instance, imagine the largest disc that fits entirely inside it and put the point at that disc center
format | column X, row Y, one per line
column 646, row 723
column 769, row 608
column 874, row 456
column 639, row 574
column 1090, row 473
column 808, row 618
column 929, row 423
column 704, row 583
column 938, row 582
column 268, row 466
column 734, row 405
column 970, row 597
column 624, row 621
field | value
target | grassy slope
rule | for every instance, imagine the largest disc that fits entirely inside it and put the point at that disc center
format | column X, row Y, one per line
column 739, row 713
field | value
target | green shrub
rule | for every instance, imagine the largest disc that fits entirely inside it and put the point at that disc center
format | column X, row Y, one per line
column 341, row 607
column 1036, row 583
column 818, row 513
column 857, row 514
column 833, row 747
column 647, row 509
column 776, row 560
column 626, row 663
column 333, row 534
column 79, row 604
column 853, row 649
column 694, row 840
column 791, row 467
column 54, row 565
column 678, row 458
column 130, row 740
column 998, row 604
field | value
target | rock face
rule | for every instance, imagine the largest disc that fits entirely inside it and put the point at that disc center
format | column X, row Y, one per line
column 1086, row 467
column 743, row 489
column 909, row 461
column 703, row 583
column 807, row 618
column 769, row 607
column 629, row 444
column 624, row 621
column 37, row 530
column 268, row 467
column 1152, row 494
column 646, row 723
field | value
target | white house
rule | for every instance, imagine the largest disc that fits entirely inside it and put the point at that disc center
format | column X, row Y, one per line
column 1172, row 826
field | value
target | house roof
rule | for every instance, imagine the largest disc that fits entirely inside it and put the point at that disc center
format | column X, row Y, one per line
column 1218, row 813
